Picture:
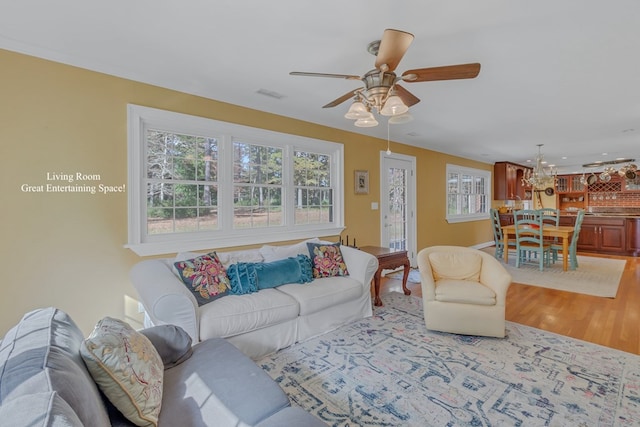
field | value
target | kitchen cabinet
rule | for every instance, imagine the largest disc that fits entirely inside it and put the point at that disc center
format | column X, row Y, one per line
column 603, row 234
column 570, row 184
column 507, row 182
column 566, row 220
column 571, row 192
column 506, row 219
column 633, row 236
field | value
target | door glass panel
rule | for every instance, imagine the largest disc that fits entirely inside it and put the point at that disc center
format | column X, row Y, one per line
column 397, row 215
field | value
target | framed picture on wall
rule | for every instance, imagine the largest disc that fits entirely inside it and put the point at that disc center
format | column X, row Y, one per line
column 362, row 182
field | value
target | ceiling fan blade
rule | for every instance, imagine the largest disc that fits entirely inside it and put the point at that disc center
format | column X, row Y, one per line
column 335, row 76
column 407, row 97
column 392, row 48
column 340, row 100
column 448, row 72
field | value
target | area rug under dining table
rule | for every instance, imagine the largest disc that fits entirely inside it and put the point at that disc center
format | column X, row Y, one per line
column 594, row 275
column 388, row 370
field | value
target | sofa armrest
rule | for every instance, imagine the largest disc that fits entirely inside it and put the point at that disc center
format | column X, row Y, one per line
column 164, row 296
column 361, row 265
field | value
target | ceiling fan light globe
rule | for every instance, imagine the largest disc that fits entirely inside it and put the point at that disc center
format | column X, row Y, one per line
column 357, row 110
column 394, row 106
column 400, row 119
column 366, row 122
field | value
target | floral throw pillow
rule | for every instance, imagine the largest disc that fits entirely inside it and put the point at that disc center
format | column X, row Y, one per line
column 205, row 277
column 127, row 368
column 326, row 260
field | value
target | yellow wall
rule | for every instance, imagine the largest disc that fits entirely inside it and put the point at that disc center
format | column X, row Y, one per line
column 66, row 249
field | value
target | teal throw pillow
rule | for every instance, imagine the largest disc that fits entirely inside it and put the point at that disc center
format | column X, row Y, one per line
column 248, row 277
column 243, row 278
column 205, row 277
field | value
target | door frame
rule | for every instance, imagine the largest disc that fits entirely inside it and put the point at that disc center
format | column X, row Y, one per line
column 412, row 233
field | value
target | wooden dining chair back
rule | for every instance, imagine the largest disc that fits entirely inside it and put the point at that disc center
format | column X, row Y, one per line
column 529, row 214
column 529, row 238
column 550, row 216
column 573, row 244
column 497, row 233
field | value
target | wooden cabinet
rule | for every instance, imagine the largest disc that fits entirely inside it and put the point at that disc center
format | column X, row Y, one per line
column 507, row 182
column 506, row 219
column 567, row 220
column 603, row 234
column 570, row 184
column 571, row 192
column 633, row 236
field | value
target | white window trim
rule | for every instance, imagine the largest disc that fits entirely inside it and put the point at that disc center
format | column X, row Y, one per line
column 140, row 118
column 471, row 171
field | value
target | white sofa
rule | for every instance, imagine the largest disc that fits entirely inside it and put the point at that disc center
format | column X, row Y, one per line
column 265, row 321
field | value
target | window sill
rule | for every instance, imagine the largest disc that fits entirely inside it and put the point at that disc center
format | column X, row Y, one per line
column 219, row 242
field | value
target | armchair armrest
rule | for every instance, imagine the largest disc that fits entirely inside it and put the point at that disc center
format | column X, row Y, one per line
column 165, row 298
column 495, row 276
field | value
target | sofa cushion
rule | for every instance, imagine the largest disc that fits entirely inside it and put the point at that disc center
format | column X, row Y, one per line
column 41, row 354
column 323, row 293
column 171, row 342
column 464, row 292
column 455, row 265
column 205, row 277
column 219, row 386
column 244, row 255
column 274, row 253
column 46, row 409
column 327, row 260
column 237, row 314
column 127, row 368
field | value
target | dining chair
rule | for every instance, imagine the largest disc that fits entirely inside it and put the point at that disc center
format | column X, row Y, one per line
column 529, row 239
column 550, row 216
column 498, row 237
column 573, row 245
column 531, row 214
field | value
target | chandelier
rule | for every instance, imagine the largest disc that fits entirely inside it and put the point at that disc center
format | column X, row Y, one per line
column 540, row 176
column 379, row 95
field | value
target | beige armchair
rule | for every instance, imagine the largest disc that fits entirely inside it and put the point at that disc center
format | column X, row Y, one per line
column 463, row 290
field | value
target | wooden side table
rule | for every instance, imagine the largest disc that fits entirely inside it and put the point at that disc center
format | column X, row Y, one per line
column 388, row 259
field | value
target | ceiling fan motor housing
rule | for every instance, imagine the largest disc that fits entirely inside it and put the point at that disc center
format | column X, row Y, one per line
column 377, row 84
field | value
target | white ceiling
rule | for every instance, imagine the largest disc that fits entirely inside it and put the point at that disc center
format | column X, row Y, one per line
column 565, row 74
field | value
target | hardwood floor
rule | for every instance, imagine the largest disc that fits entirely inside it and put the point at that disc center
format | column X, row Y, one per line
column 611, row 322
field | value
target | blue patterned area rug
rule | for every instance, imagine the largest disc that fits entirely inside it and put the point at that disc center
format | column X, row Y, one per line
column 388, row 370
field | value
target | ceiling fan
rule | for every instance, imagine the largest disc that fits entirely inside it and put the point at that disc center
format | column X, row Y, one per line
column 381, row 91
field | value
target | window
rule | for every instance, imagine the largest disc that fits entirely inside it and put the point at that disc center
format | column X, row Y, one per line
column 197, row 183
column 468, row 194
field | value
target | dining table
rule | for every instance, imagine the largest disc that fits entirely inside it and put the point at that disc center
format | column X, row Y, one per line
column 563, row 232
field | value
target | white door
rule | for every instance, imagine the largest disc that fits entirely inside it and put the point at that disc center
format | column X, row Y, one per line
column 397, row 203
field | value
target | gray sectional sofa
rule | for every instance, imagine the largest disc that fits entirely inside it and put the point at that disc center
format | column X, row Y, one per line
column 45, row 382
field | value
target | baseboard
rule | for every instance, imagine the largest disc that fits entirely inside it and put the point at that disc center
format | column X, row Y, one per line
column 483, row 245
